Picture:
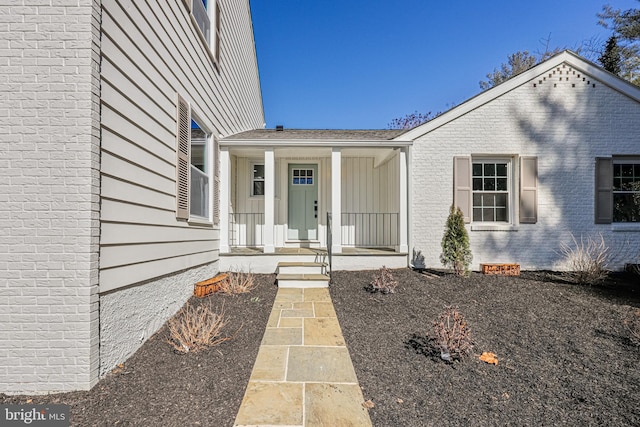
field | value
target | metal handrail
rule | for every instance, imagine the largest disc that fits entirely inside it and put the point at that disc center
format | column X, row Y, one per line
column 329, row 244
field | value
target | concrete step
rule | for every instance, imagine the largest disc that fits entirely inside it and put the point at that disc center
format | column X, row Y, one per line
column 302, row 280
column 302, row 267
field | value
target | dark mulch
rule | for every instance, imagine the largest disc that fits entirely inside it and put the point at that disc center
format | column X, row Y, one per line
column 565, row 357
column 158, row 387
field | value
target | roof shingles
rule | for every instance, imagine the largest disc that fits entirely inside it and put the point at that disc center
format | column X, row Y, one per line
column 318, row 134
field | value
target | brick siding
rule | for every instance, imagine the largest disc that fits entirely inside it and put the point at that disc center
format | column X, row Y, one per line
column 49, row 195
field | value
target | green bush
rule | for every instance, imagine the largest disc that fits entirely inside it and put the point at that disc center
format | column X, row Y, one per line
column 456, row 253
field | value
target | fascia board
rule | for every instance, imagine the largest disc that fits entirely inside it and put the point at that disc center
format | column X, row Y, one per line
column 487, row 96
column 313, row 143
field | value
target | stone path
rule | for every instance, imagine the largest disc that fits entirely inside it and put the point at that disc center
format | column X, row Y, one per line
column 303, row 375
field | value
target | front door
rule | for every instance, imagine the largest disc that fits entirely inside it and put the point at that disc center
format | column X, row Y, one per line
column 303, row 202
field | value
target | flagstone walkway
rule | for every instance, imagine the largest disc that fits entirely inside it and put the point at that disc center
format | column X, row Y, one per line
column 303, row 375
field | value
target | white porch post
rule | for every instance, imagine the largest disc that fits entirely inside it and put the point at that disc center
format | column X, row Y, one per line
column 336, row 199
column 225, row 198
column 403, row 222
column 269, row 200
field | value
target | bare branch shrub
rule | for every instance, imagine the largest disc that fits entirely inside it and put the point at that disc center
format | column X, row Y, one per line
column 196, row 327
column 451, row 335
column 632, row 323
column 587, row 260
column 238, row 282
column 383, row 282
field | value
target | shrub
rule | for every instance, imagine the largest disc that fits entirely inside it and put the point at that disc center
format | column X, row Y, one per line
column 587, row 260
column 451, row 335
column 238, row 282
column 456, row 253
column 632, row 322
column 196, row 327
column 383, row 282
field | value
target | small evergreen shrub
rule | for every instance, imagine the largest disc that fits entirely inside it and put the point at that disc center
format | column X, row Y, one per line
column 456, row 253
column 451, row 335
column 383, row 282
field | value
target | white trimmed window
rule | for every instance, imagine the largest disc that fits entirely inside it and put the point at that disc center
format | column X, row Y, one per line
column 617, row 190
column 257, row 179
column 196, row 171
column 626, row 190
column 206, row 16
column 491, row 190
column 199, row 190
column 485, row 189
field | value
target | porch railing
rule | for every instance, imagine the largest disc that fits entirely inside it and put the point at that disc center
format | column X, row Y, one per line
column 246, row 229
column 329, row 243
column 370, row 230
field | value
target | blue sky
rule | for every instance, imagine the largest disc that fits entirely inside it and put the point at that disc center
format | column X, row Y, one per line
column 358, row 64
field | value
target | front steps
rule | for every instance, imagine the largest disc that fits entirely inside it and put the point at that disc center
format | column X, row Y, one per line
column 302, row 275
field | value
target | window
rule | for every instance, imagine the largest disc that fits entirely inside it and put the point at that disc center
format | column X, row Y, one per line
column 626, row 190
column 199, row 170
column 194, row 167
column 257, row 179
column 302, row 177
column 490, row 191
column 203, row 13
column 617, row 190
column 485, row 190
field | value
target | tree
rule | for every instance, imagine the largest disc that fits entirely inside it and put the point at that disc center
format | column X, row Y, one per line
column 456, row 252
column 610, row 58
column 625, row 25
column 411, row 120
column 516, row 64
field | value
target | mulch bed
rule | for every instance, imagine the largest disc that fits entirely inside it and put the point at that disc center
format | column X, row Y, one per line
column 564, row 357
column 159, row 387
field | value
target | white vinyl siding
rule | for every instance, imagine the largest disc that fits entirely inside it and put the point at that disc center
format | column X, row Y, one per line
column 151, row 51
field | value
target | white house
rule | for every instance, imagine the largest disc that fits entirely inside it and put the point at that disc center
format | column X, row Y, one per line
column 550, row 154
column 108, row 168
column 133, row 165
column 287, row 189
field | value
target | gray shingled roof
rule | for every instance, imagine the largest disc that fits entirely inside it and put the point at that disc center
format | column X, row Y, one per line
column 318, row 134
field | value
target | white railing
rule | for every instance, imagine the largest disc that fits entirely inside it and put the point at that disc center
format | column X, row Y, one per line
column 370, row 230
column 246, row 229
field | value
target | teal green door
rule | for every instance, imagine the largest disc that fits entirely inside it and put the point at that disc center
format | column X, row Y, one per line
column 303, row 202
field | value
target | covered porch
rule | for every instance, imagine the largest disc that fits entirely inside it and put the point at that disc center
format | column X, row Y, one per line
column 341, row 192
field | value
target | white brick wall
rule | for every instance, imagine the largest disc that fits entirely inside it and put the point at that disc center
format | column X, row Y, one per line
column 566, row 127
column 129, row 316
column 49, row 187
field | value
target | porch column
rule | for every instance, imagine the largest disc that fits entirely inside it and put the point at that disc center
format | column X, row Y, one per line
column 269, row 200
column 336, row 200
column 225, row 198
column 403, row 221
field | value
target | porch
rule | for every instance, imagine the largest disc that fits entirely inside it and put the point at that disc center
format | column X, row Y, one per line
column 351, row 258
column 343, row 192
